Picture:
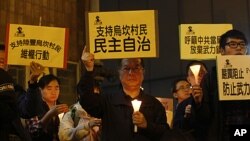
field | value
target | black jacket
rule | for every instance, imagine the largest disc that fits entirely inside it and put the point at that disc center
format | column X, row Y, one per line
column 195, row 125
column 116, row 110
column 10, row 121
column 28, row 103
column 223, row 114
column 179, row 120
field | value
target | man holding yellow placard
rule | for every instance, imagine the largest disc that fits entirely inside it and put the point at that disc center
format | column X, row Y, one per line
column 224, row 115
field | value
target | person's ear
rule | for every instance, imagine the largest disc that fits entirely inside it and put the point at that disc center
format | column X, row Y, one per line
column 144, row 71
column 40, row 89
column 175, row 95
column 222, row 51
column 188, row 79
column 246, row 51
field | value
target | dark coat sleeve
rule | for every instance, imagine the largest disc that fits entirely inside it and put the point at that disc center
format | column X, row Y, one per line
column 155, row 115
column 90, row 102
column 209, row 86
column 205, row 111
column 28, row 102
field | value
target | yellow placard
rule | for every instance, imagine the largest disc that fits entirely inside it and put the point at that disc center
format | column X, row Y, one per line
column 45, row 45
column 123, row 34
column 233, row 77
column 201, row 41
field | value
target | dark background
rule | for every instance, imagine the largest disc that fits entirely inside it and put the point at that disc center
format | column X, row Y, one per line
column 160, row 72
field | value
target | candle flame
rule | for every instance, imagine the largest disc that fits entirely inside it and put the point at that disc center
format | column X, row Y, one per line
column 195, row 70
column 60, row 116
column 136, row 104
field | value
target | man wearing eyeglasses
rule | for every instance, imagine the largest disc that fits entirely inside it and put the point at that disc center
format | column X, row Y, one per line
column 116, row 111
column 223, row 114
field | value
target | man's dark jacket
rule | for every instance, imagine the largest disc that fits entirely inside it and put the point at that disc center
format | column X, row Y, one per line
column 116, row 111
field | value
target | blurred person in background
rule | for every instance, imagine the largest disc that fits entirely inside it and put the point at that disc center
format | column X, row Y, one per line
column 78, row 125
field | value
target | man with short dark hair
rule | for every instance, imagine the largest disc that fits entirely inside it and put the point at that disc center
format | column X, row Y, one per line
column 225, row 113
column 116, row 111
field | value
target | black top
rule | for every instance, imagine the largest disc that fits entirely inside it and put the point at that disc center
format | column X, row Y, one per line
column 116, row 110
column 223, row 114
column 13, row 110
column 180, row 120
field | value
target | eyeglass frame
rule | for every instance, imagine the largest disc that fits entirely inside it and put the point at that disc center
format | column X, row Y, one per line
column 184, row 88
column 238, row 44
column 136, row 69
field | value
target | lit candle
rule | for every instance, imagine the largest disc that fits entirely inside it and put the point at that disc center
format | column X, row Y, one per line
column 60, row 116
column 136, row 105
column 195, row 70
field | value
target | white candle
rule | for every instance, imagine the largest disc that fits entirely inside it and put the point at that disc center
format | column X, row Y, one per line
column 60, row 116
column 136, row 105
column 195, row 70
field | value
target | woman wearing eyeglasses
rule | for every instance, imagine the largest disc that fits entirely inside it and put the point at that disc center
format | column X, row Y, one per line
column 181, row 91
column 184, row 114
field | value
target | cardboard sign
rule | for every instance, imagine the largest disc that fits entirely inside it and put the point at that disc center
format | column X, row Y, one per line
column 45, row 45
column 123, row 34
column 233, row 77
column 201, row 41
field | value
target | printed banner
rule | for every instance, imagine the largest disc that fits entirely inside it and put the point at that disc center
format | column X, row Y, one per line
column 201, row 41
column 45, row 45
column 233, row 77
column 123, row 34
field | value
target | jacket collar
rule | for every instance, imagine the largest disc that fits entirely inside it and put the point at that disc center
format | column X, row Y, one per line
column 122, row 99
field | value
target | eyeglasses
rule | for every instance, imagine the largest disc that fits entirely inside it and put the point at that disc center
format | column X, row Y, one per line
column 184, row 88
column 235, row 44
column 135, row 70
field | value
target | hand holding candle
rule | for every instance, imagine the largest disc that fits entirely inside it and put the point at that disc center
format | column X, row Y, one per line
column 136, row 105
column 195, row 70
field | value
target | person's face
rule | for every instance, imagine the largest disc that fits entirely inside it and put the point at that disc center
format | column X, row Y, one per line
column 51, row 92
column 183, row 91
column 191, row 78
column 234, row 47
column 131, row 73
column 2, row 59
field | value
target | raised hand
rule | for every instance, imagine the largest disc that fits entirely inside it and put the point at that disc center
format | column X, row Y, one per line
column 88, row 59
column 94, row 122
column 36, row 70
column 54, row 111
